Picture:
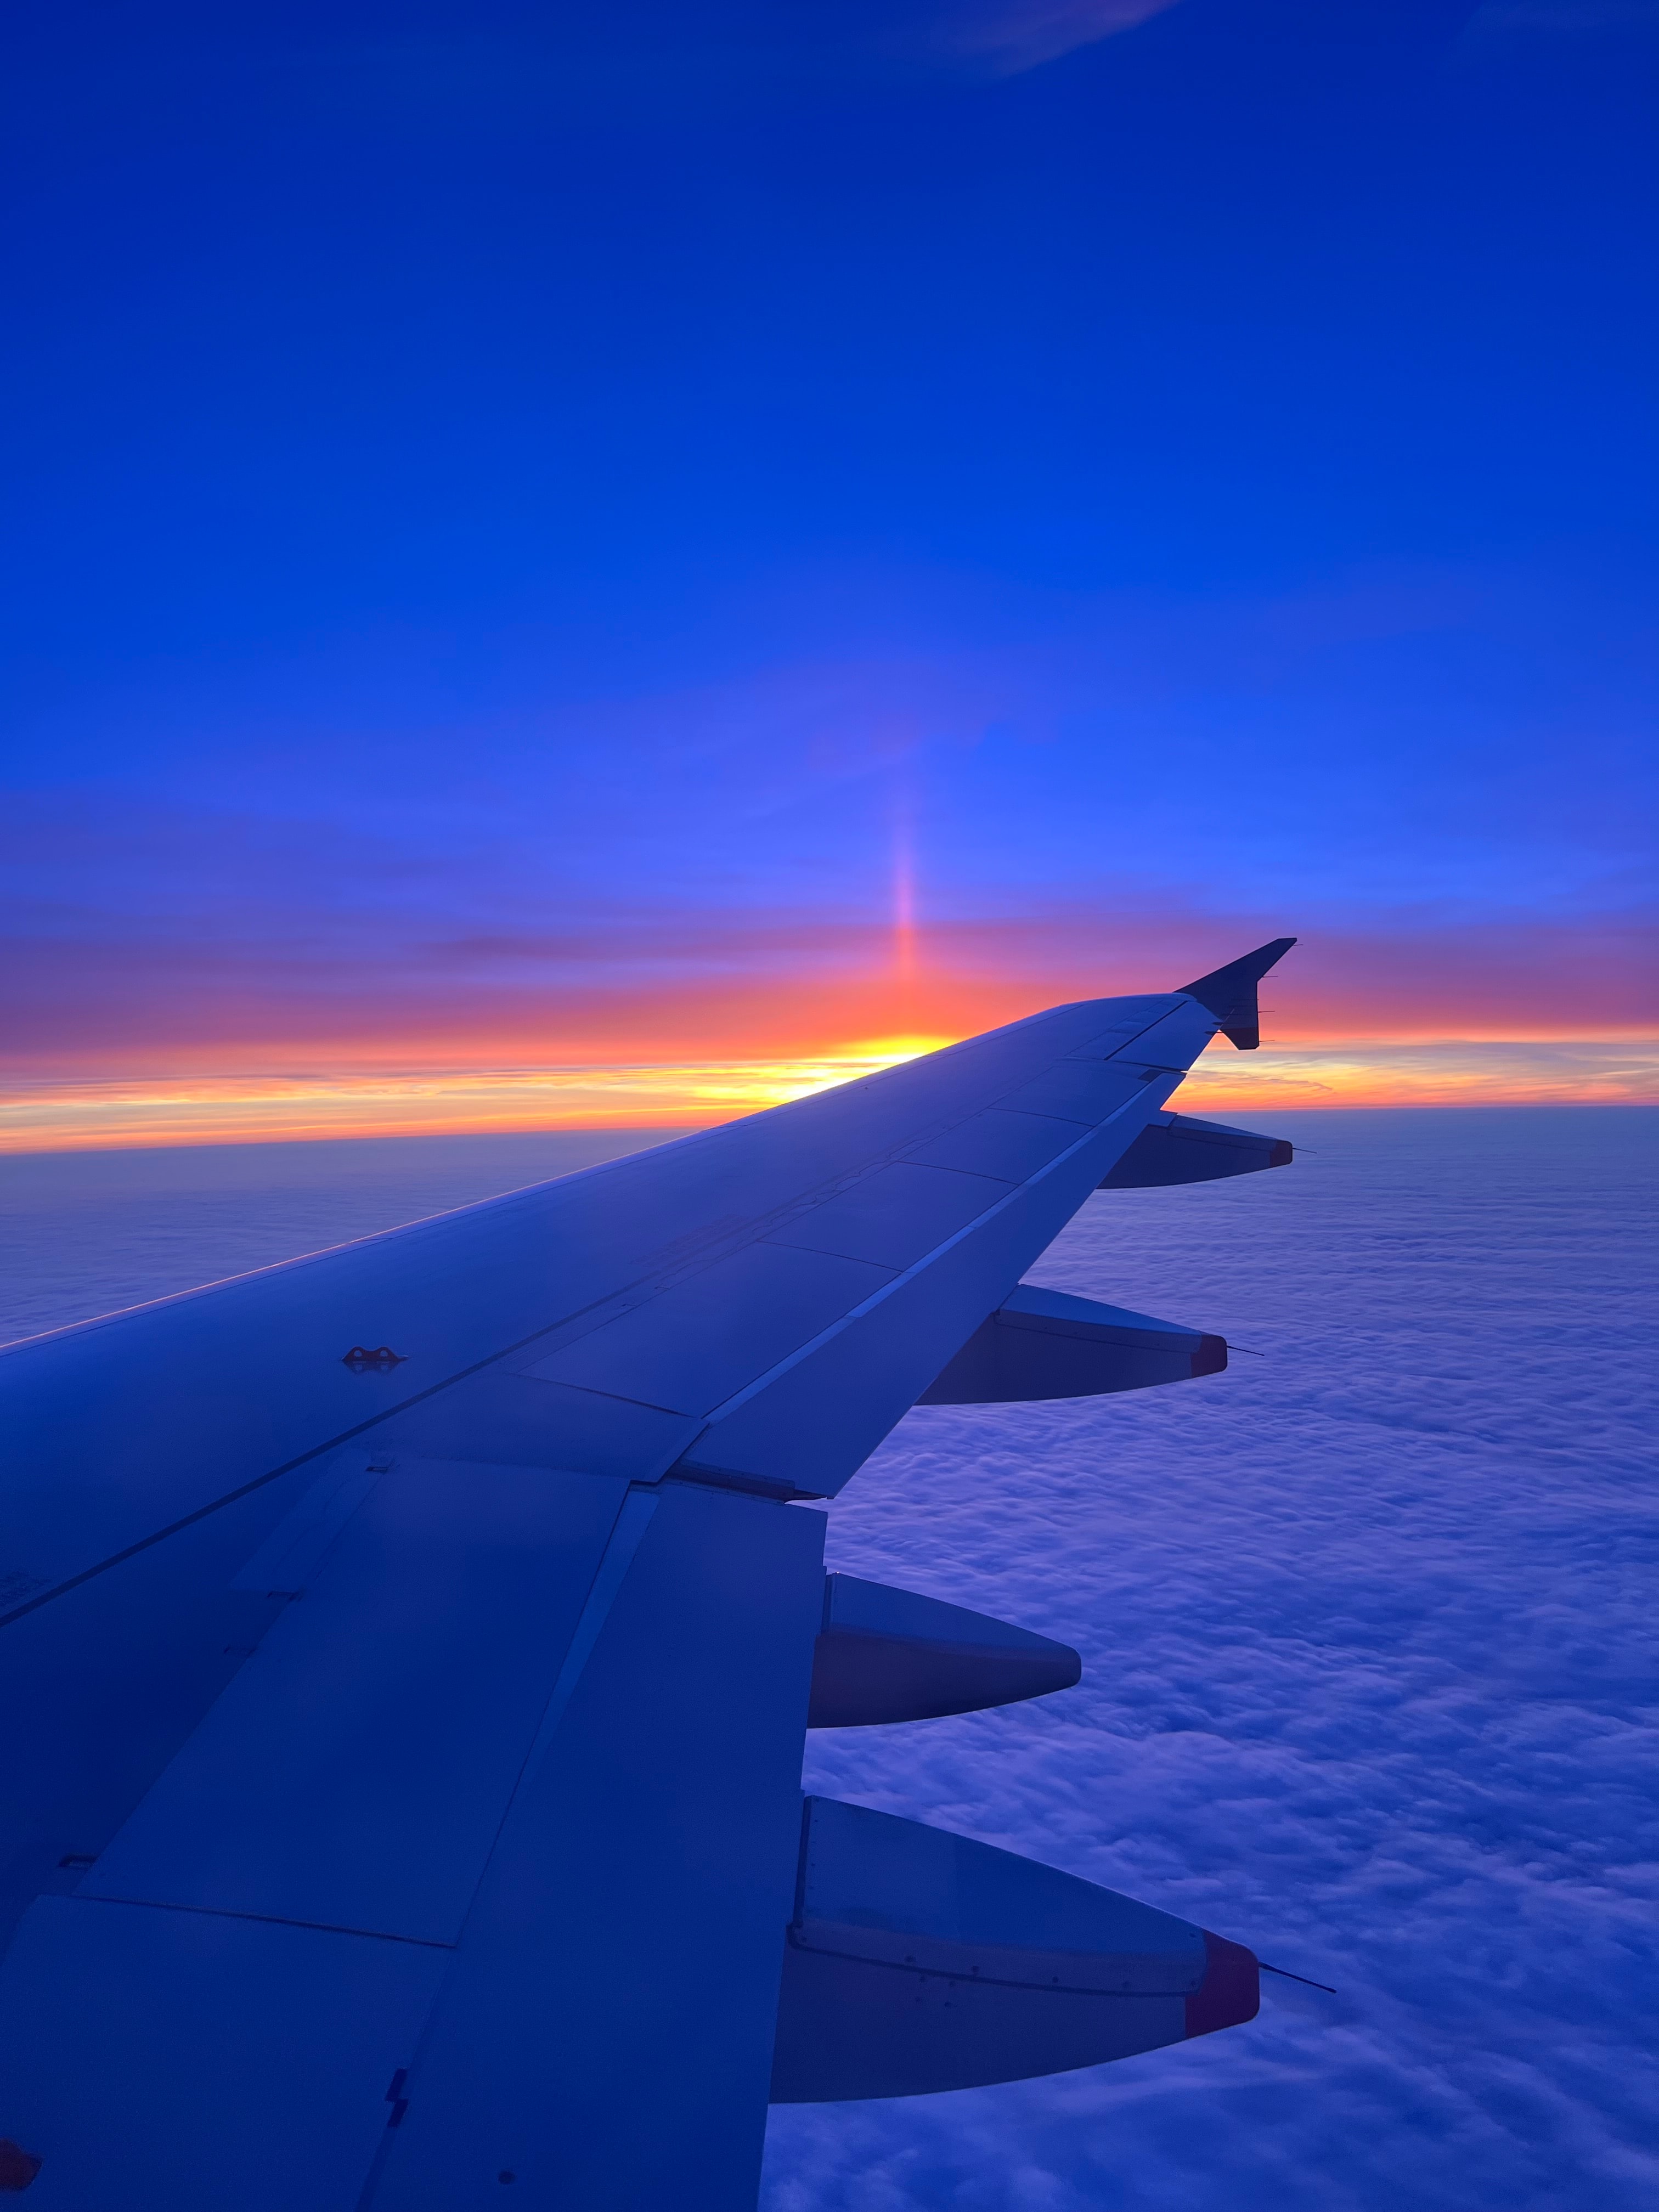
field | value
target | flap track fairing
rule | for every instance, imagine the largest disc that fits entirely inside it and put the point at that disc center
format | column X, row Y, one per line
column 886, row 1655
column 1047, row 1344
column 918, row 1961
column 1174, row 1148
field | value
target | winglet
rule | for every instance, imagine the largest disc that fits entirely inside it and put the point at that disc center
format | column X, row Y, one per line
column 1230, row 993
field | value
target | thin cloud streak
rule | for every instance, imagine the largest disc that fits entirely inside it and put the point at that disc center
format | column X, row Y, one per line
column 1019, row 37
column 668, row 1096
column 624, row 985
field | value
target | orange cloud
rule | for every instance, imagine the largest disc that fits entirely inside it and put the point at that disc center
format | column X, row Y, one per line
column 50, row 1116
column 635, row 1019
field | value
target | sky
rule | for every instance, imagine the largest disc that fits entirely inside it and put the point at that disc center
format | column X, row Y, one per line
column 574, row 567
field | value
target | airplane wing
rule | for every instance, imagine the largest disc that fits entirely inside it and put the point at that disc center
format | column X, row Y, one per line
column 407, row 1653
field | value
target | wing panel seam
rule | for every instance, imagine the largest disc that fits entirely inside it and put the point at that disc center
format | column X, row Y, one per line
column 263, row 1920
column 916, row 1267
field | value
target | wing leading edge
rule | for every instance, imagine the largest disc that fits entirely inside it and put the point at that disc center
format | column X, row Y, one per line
column 440, row 1715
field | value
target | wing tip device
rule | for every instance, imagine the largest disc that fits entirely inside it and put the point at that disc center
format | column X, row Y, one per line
column 1230, row 993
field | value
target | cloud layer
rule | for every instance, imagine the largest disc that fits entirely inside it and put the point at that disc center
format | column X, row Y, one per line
column 1368, row 1685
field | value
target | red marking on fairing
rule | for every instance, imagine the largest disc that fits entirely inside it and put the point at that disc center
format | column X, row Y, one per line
column 1231, row 1991
column 17, row 2166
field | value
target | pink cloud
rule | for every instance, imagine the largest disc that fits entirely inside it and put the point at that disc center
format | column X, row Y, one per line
column 766, row 980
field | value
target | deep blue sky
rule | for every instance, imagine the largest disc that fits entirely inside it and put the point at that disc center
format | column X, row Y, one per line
column 569, row 506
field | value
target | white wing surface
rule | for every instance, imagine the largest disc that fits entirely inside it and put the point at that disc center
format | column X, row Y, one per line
column 406, row 1655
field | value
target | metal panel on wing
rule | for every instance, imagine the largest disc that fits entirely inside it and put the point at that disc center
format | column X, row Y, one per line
column 715, row 1330
column 519, row 1420
column 199, row 2062
column 605, row 2035
column 354, row 1773
column 893, row 1217
column 1081, row 1091
column 1010, row 1147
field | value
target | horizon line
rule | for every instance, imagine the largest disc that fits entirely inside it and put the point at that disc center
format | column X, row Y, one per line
column 124, row 1113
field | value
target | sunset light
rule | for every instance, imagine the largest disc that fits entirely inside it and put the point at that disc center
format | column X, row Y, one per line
column 672, row 1095
column 830, row 1106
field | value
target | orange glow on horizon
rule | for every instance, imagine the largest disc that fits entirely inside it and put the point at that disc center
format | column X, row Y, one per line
column 117, row 1112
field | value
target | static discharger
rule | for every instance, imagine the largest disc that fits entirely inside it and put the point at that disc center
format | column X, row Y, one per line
column 1286, row 1975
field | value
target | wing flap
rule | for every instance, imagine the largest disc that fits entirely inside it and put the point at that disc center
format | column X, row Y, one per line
column 604, row 2034
column 354, row 1773
column 198, row 2061
column 1084, row 1091
column 712, row 1333
column 563, row 1771
column 1010, row 1147
column 811, row 1424
column 893, row 1217
column 519, row 1420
